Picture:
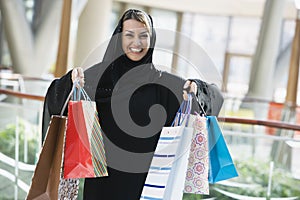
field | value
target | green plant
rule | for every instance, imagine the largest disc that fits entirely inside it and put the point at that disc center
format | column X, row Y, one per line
column 8, row 141
column 255, row 173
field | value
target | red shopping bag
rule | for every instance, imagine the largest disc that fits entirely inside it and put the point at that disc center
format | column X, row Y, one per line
column 77, row 157
column 84, row 154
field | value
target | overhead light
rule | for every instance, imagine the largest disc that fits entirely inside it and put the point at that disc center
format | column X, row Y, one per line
column 297, row 3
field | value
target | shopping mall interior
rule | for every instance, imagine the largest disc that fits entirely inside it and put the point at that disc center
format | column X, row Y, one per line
column 249, row 49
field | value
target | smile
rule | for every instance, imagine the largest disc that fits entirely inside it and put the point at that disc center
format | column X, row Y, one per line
column 136, row 50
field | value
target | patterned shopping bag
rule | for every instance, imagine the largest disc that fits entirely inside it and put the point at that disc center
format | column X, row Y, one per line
column 196, row 181
column 220, row 164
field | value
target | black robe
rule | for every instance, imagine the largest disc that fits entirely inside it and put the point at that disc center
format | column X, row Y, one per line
column 132, row 111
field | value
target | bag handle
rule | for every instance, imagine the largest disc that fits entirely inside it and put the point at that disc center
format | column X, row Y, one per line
column 196, row 98
column 76, row 91
column 199, row 104
column 185, row 108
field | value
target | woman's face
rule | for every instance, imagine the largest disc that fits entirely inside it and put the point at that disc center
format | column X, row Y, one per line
column 135, row 39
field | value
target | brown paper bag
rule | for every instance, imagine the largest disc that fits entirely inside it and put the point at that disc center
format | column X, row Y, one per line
column 46, row 177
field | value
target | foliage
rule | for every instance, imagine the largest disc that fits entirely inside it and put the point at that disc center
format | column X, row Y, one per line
column 256, row 173
column 8, row 140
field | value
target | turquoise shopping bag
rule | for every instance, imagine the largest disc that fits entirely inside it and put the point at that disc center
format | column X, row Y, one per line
column 221, row 166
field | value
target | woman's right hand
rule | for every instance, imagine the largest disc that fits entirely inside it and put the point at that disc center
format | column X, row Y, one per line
column 78, row 75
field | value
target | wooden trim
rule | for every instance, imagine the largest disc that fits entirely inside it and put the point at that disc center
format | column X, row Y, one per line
column 22, row 95
column 269, row 123
column 226, row 67
column 292, row 86
column 63, row 46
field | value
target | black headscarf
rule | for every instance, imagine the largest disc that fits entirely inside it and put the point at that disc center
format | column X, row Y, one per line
column 116, row 61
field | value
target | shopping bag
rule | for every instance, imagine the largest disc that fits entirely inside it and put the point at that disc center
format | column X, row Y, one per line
column 46, row 177
column 196, row 180
column 221, row 166
column 84, row 155
column 68, row 188
column 166, row 176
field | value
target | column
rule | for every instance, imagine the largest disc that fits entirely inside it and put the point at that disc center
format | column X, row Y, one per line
column 14, row 19
column 264, row 60
column 93, row 30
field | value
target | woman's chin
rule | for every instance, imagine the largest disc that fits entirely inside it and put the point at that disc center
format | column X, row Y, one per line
column 135, row 57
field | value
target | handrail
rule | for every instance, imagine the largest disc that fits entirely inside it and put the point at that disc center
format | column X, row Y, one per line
column 22, row 95
column 269, row 123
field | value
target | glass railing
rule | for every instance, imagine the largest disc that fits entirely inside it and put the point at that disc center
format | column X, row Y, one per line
column 266, row 161
column 21, row 105
column 20, row 143
column 265, row 145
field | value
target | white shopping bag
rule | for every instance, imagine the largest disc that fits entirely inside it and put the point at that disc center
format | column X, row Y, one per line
column 176, row 180
column 166, row 176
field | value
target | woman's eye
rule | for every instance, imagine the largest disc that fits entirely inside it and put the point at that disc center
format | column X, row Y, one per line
column 129, row 35
column 144, row 36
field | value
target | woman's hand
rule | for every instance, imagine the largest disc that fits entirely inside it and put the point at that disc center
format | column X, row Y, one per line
column 189, row 87
column 78, row 75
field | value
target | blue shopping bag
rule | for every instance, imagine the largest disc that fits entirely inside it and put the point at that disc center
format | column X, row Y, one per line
column 221, row 166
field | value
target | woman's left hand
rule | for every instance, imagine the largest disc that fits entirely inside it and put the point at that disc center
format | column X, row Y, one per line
column 189, row 87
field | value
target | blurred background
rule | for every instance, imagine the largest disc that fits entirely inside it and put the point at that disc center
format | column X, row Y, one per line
column 250, row 49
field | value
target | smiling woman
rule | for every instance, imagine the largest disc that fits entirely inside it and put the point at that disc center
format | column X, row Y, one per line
column 134, row 101
column 136, row 35
column 135, row 39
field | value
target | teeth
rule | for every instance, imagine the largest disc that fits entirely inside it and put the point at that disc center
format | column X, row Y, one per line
column 136, row 50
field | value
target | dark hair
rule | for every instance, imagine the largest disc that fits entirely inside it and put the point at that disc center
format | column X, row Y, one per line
column 140, row 16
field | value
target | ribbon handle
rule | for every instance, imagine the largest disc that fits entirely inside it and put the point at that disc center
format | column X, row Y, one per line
column 77, row 90
column 183, row 112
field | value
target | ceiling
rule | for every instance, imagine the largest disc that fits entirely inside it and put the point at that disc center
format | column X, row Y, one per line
column 245, row 8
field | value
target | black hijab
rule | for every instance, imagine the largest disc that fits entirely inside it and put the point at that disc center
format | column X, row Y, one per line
column 115, row 60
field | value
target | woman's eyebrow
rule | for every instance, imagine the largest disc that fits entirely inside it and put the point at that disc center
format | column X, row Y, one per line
column 144, row 32
column 129, row 31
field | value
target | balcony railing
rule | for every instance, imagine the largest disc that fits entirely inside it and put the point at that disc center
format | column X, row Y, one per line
column 247, row 140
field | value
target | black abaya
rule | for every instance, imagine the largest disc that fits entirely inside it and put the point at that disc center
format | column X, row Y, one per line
column 129, row 147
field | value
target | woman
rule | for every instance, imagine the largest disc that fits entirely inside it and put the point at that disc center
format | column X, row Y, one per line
column 134, row 101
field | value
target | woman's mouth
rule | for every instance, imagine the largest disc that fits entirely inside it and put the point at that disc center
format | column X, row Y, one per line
column 136, row 50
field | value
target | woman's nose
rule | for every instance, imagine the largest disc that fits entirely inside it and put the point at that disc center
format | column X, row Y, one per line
column 137, row 41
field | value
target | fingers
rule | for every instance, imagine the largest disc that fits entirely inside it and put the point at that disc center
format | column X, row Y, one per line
column 189, row 87
column 187, row 84
column 186, row 89
column 193, row 87
column 78, row 75
column 185, row 95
